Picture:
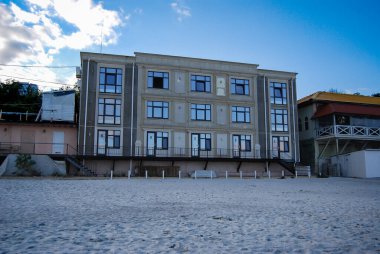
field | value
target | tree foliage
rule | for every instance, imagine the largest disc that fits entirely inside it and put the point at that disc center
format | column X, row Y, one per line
column 14, row 99
column 24, row 164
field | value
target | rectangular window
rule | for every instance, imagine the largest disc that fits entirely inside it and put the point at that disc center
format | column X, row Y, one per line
column 240, row 114
column 110, row 80
column 201, row 112
column 109, row 111
column 157, row 109
column 278, row 94
column 239, row 86
column 242, row 143
column 113, row 139
column 281, row 143
column 201, row 141
column 158, row 80
column 108, row 139
column 157, row 140
column 201, row 83
column 279, row 119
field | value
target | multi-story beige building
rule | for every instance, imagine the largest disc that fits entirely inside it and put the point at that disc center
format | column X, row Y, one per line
column 152, row 110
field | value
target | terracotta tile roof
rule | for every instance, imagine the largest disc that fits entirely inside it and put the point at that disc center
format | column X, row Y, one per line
column 337, row 97
column 346, row 108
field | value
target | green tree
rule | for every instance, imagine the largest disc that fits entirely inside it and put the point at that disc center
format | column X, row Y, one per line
column 24, row 164
column 12, row 100
column 376, row 95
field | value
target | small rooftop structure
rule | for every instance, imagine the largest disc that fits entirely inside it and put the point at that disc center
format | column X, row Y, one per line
column 58, row 106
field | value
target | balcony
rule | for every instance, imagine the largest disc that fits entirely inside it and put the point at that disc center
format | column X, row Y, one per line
column 36, row 148
column 151, row 153
column 64, row 149
column 349, row 131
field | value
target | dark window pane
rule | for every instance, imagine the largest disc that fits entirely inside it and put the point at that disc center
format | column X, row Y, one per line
column 248, row 145
column 208, row 145
column 239, row 89
column 200, row 86
column 158, row 82
column 165, row 143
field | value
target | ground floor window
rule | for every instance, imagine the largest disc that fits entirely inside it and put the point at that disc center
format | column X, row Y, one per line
column 200, row 142
column 157, row 140
column 241, row 143
column 108, row 139
column 280, row 144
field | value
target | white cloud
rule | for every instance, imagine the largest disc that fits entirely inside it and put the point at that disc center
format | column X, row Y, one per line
column 40, row 3
column 181, row 10
column 23, row 16
column 35, row 35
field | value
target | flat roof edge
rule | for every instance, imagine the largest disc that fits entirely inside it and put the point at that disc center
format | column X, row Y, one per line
column 195, row 58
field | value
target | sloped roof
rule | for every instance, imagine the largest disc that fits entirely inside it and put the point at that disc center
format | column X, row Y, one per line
column 346, row 108
column 337, row 97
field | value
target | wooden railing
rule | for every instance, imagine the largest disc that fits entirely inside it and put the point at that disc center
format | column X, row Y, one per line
column 349, row 130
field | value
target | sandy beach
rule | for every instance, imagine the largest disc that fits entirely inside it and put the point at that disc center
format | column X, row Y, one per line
column 334, row 215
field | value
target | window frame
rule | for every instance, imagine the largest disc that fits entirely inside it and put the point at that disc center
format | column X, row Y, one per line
column 161, row 136
column 198, row 109
column 283, row 142
column 204, row 141
column 237, row 111
column 151, row 107
column 103, row 111
column 245, row 86
column 206, row 83
column 279, row 120
column 151, row 75
column 243, row 139
column 278, row 93
column 105, row 74
column 115, row 135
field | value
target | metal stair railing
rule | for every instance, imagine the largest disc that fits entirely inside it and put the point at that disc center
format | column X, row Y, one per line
column 78, row 165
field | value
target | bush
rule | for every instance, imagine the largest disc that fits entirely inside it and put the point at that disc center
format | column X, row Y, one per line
column 24, row 164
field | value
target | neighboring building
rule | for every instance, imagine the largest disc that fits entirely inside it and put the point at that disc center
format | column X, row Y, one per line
column 38, row 138
column 52, row 132
column 331, row 124
column 152, row 110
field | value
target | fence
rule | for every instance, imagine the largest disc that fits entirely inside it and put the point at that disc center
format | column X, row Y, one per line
column 37, row 148
column 348, row 130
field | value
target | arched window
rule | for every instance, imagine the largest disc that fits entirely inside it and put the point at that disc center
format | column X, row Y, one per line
column 306, row 123
column 299, row 124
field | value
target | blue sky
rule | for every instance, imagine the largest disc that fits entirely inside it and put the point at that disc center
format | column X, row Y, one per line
column 330, row 44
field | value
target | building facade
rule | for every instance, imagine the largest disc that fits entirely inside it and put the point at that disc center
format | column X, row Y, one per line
column 332, row 124
column 154, row 109
column 38, row 138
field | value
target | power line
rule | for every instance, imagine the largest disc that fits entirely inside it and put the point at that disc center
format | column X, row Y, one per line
column 39, row 66
column 38, row 80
